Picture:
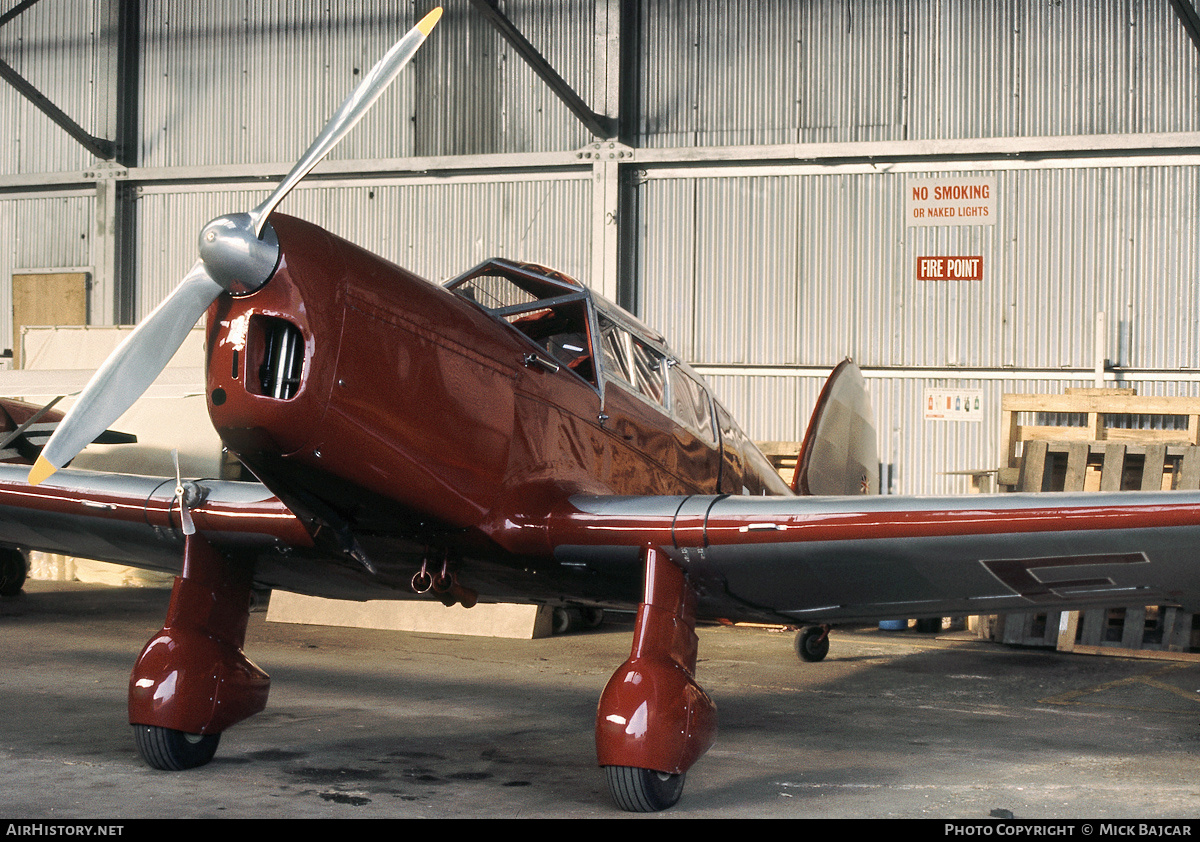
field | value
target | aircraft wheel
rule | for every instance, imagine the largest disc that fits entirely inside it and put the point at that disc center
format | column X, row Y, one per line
column 566, row 619
column 643, row 790
column 13, row 570
column 812, row 643
column 593, row 617
column 174, row 751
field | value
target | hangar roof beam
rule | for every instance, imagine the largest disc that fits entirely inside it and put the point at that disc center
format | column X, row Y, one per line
column 598, row 124
column 1189, row 19
column 98, row 146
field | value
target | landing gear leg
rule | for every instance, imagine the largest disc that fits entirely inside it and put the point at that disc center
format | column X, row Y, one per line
column 654, row 721
column 192, row 681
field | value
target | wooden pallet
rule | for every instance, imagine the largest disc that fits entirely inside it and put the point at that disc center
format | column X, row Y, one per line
column 1101, row 457
column 1099, row 407
column 1106, row 466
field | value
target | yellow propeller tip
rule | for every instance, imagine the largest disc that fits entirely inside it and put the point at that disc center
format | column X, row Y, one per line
column 427, row 23
column 40, row 470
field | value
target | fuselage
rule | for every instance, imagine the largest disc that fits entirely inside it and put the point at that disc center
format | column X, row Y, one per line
column 370, row 399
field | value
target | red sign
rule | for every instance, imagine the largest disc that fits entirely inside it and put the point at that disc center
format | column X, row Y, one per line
column 950, row 268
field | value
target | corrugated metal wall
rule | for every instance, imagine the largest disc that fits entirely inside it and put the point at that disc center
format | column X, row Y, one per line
column 240, row 81
column 763, row 273
column 47, row 231
column 61, row 49
column 405, row 221
column 717, row 73
column 803, row 268
column 236, row 81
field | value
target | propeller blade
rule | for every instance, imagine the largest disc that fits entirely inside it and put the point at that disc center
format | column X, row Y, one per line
column 129, row 371
column 235, row 256
column 185, row 517
column 352, row 110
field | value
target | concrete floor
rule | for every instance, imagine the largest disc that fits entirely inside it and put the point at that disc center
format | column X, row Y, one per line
column 385, row 724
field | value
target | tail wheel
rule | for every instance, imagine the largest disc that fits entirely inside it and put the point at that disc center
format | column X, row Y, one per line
column 812, row 644
column 643, row 790
column 174, row 751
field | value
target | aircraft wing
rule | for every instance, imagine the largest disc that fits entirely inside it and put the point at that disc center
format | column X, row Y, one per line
column 777, row 559
column 134, row 520
column 866, row 558
column 792, row 559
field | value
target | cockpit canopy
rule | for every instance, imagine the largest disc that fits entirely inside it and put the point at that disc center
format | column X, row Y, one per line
column 550, row 308
column 605, row 346
column 595, row 339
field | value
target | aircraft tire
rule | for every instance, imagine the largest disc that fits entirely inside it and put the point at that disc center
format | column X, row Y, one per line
column 12, row 572
column 567, row 619
column 174, row 751
column 643, row 790
column 811, row 644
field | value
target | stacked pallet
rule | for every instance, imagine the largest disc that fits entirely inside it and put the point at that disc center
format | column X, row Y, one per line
column 1154, row 453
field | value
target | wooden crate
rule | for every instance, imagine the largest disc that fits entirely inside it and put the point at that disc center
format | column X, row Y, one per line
column 1101, row 457
column 783, row 456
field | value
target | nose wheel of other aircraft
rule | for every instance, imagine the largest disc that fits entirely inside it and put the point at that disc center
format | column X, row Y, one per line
column 812, row 643
column 170, row 750
column 643, row 790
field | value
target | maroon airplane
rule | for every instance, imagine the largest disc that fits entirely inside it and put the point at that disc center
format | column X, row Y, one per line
column 512, row 437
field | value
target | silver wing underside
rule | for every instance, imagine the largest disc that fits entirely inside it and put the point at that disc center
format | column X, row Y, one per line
column 827, row 559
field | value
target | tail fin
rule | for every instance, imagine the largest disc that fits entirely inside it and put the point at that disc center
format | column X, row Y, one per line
column 839, row 455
